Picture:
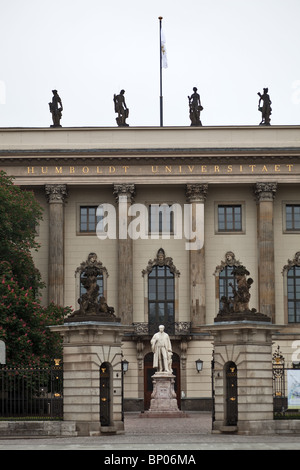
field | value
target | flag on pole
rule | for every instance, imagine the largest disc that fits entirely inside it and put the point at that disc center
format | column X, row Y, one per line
column 164, row 60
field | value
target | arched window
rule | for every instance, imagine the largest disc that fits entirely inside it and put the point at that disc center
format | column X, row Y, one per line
column 293, row 290
column 161, row 293
column 161, row 299
column 291, row 273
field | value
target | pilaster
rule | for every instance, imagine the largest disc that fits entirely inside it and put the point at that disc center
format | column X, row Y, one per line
column 196, row 196
column 56, row 195
column 265, row 193
column 124, row 196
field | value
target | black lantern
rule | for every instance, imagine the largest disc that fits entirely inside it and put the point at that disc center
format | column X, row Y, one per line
column 199, row 365
column 125, row 365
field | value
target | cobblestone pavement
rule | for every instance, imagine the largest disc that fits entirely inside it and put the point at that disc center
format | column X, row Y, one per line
column 190, row 434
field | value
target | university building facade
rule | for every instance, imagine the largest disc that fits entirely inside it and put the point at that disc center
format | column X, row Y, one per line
column 129, row 197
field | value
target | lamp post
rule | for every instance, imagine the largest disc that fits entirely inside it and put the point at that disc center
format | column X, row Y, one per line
column 125, row 365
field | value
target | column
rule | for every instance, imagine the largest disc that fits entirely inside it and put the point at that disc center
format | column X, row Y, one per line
column 196, row 196
column 56, row 195
column 124, row 196
column 265, row 193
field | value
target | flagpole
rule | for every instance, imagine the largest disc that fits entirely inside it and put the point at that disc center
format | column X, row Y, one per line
column 160, row 61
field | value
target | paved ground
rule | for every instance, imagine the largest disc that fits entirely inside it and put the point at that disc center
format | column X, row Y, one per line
column 191, row 435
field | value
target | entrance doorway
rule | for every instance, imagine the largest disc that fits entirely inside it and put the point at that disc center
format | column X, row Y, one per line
column 149, row 371
column 231, row 394
column 105, row 379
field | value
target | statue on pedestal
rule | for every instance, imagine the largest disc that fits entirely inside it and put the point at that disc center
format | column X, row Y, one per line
column 55, row 109
column 265, row 109
column 121, row 109
column 162, row 351
column 236, row 307
column 92, row 305
column 195, row 108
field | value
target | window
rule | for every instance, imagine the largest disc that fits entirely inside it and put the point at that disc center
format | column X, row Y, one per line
column 161, row 298
column 229, row 218
column 89, row 218
column 161, row 218
column 226, row 278
column 293, row 294
column 292, row 216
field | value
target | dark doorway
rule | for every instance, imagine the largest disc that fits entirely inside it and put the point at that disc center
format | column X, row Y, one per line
column 149, row 371
column 231, row 394
column 105, row 417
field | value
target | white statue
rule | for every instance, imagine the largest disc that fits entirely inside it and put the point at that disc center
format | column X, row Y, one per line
column 162, row 350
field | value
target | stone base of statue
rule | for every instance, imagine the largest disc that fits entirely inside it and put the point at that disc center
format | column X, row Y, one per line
column 163, row 402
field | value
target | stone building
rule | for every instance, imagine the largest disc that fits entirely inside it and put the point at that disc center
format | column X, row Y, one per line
column 131, row 197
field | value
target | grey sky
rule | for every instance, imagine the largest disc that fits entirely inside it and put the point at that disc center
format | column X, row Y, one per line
column 90, row 49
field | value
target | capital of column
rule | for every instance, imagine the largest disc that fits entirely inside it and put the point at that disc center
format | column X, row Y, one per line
column 124, row 189
column 265, row 191
column 196, row 192
column 56, row 193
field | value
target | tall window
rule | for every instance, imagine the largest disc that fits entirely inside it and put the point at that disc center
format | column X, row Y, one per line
column 161, row 298
column 292, row 216
column 229, row 218
column 226, row 278
column 89, row 218
column 161, row 219
column 293, row 294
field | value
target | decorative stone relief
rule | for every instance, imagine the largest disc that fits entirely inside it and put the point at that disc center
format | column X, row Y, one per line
column 196, row 192
column 294, row 262
column 229, row 260
column 265, row 191
column 124, row 189
column 56, row 193
column 161, row 260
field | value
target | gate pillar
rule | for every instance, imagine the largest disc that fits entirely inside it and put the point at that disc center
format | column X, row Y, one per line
column 86, row 347
column 243, row 379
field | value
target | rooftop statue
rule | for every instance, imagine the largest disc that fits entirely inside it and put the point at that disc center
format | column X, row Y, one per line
column 121, row 109
column 265, row 109
column 56, row 108
column 195, row 108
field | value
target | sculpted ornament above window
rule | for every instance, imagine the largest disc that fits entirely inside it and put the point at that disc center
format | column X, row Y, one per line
column 161, row 260
column 292, row 262
column 229, row 260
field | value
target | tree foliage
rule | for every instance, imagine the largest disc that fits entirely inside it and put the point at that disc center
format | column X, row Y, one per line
column 23, row 320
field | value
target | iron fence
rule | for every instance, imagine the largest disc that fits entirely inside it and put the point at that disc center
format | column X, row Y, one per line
column 31, row 394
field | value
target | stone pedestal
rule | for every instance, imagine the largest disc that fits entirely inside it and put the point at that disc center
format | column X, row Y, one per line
column 163, row 402
column 86, row 347
column 247, row 347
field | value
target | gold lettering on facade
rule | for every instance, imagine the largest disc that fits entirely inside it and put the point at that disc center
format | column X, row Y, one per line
column 30, row 170
column 125, row 168
column 265, row 168
column 156, row 169
column 203, row 169
column 111, row 169
column 252, row 167
column 179, row 168
column 168, row 169
column 99, row 171
column 217, row 169
column 44, row 170
column 290, row 167
column 85, row 170
column 277, row 168
column 72, row 169
column 58, row 170
column 229, row 169
column 191, row 168
column 241, row 168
